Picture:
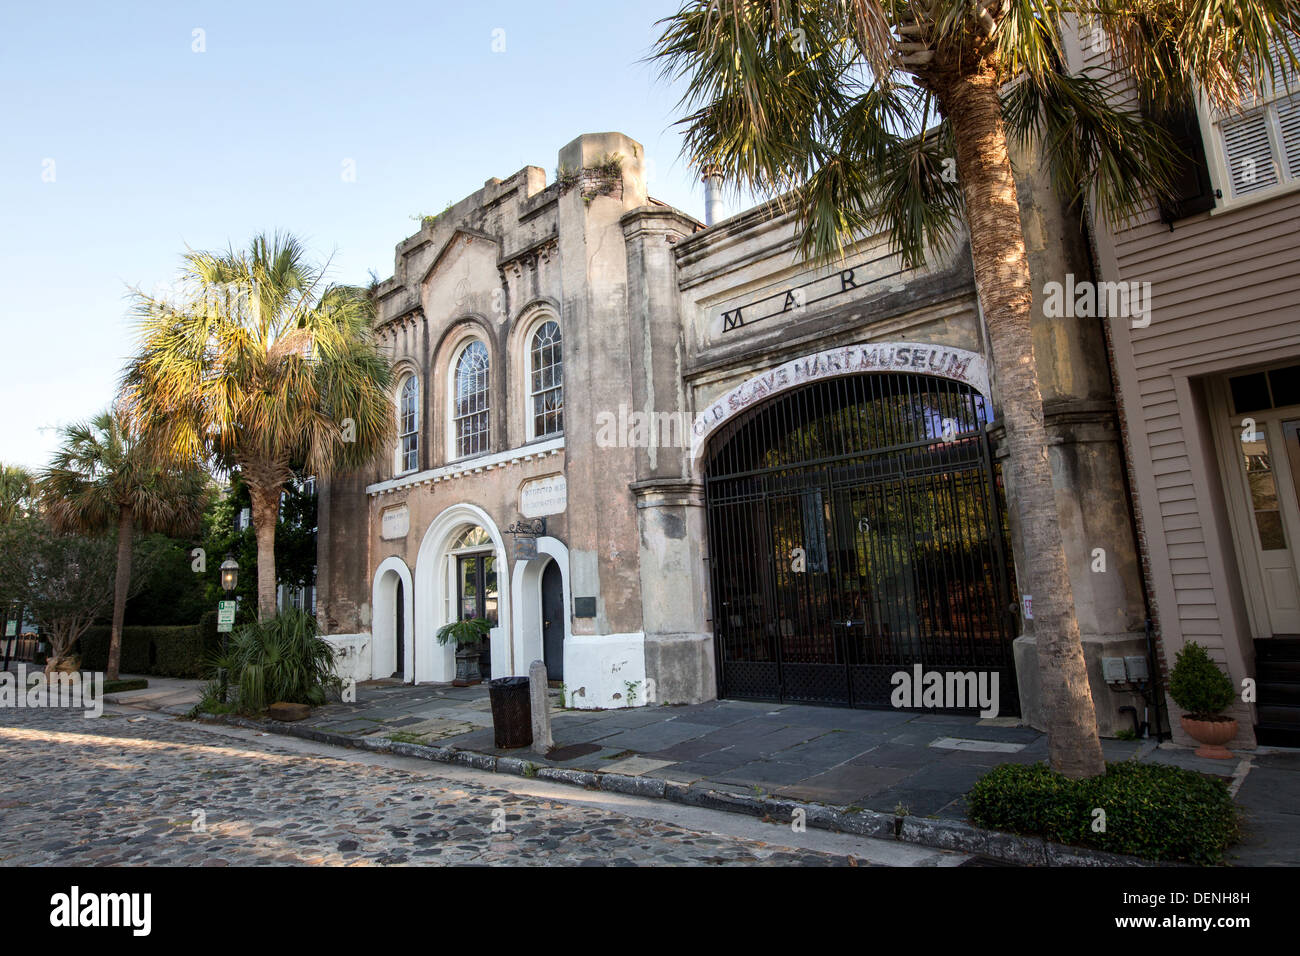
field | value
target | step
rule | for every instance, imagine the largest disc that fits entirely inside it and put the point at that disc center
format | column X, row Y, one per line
column 1288, row 671
column 1277, row 649
column 1278, row 715
column 1277, row 735
column 1274, row 692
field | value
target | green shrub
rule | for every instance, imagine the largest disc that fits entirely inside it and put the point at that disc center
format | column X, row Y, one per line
column 159, row 651
column 1197, row 685
column 281, row 658
column 135, row 657
column 1155, row 811
column 1031, row 799
column 119, row 686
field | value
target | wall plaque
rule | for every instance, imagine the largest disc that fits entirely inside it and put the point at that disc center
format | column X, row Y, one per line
column 544, row 496
column 395, row 523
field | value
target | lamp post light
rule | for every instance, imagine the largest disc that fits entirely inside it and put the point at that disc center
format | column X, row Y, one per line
column 229, row 578
column 229, row 573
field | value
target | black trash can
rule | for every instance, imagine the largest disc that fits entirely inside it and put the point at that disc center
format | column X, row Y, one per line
column 512, row 712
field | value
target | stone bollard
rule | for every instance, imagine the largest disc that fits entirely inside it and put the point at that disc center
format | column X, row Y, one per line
column 542, row 742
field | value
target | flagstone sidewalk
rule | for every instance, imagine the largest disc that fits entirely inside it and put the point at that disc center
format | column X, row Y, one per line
column 894, row 762
column 889, row 761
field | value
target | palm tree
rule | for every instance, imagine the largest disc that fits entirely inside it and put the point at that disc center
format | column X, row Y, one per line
column 105, row 477
column 17, row 487
column 851, row 111
column 260, row 365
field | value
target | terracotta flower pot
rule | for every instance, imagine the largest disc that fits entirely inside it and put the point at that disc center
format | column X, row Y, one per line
column 1211, row 734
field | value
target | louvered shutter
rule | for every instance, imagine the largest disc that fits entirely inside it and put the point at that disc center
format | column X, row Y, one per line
column 1288, row 121
column 1192, row 190
column 1248, row 153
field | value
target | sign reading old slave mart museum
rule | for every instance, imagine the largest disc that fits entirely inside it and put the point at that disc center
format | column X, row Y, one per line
column 944, row 361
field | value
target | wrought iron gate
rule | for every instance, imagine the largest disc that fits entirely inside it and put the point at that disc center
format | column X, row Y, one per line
column 855, row 530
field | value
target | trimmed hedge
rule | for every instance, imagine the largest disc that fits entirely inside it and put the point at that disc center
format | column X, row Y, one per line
column 1155, row 811
column 160, row 651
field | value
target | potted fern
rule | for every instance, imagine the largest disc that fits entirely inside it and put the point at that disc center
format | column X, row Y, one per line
column 468, row 635
column 1202, row 690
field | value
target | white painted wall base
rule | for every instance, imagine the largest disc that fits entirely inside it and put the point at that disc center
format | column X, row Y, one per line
column 598, row 667
column 352, row 655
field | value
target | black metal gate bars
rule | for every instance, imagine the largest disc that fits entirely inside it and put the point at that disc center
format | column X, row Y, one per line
column 855, row 530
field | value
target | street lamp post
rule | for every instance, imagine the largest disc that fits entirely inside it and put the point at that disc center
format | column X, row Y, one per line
column 229, row 578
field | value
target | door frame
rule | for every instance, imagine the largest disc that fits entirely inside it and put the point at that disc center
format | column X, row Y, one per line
column 526, row 595
column 1227, row 431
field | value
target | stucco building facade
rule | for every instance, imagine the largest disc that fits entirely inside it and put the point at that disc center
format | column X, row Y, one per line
column 676, row 461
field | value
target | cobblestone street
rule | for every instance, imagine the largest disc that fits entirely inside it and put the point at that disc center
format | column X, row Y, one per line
column 128, row 789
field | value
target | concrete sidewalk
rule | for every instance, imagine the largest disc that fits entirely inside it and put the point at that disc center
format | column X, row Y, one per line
column 170, row 695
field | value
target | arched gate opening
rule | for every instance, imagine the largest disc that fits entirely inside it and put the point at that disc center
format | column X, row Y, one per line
column 856, row 529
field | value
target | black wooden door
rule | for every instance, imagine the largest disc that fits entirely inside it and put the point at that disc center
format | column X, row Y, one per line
column 553, row 621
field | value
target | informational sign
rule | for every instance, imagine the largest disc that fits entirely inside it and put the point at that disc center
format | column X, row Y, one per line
column 225, row 617
column 11, row 629
column 544, row 496
column 1028, row 601
column 525, row 548
column 395, row 523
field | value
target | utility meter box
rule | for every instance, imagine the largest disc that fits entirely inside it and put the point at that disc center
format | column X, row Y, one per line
column 1112, row 668
column 1136, row 666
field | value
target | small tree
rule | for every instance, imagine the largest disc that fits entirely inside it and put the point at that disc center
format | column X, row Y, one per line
column 17, row 488
column 1198, row 686
column 104, row 477
column 263, row 367
column 68, row 580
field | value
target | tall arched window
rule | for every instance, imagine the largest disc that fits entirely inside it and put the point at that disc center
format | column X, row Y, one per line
column 546, row 385
column 471, row 397
column 408, row 425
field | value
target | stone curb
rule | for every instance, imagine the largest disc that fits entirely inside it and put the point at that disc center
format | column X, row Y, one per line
column 940, row 834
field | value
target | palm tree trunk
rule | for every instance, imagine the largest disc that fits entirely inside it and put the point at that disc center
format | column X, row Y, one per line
column 1002, row 279
column 121, row 584
column 264, row 488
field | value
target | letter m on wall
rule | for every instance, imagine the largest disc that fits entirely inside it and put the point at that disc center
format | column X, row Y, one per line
column 731, row 320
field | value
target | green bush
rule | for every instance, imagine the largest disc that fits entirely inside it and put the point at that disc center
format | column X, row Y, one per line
column 1197, row 685
column 120, row 686
column 1155, row 811
column 159, row 651
column 281, row 658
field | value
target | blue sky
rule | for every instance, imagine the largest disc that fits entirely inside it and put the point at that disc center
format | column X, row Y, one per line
column 156, row 147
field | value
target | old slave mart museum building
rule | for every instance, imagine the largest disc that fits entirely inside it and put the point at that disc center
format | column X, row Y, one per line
column 675, row 461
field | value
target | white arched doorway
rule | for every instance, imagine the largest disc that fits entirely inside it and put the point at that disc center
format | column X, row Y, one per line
column 436, row 592
column 392, row 601
column 526, row 585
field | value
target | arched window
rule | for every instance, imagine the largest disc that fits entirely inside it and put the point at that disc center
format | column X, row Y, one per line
column 546, row 384
column 408, row 425
column 471, row 399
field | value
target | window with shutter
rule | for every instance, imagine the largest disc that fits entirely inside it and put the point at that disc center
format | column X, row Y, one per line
column 1259, row 145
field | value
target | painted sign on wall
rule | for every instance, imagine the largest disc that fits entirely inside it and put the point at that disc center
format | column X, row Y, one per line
column 944, row 361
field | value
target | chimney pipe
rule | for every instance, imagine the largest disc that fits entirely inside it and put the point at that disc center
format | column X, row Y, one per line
column 712, row 177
